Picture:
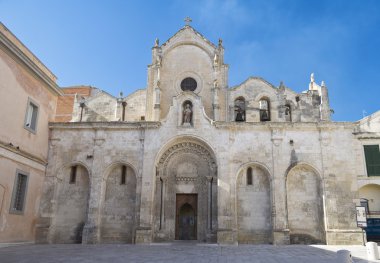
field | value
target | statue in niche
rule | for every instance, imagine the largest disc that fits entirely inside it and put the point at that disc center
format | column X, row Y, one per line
column 215, row 83
column 187, row 114
column 216, row 60
column 158, row 60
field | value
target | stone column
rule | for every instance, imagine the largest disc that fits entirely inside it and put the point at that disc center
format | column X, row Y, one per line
column 44, row 227
column 278, row 190
column 144, row 230
column 157, row 98
column 325, row 105
column 91, row 231
column 215, row 103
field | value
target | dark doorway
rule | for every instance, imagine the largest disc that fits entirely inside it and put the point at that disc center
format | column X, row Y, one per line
column 186, row 216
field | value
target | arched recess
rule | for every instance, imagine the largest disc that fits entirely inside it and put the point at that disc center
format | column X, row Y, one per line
column 117, row 223
column 239, row 109
column 371, row 192
column 185, row 172
column 71, row 204
column 254, row 205
column 265, row 112
column 304, row 193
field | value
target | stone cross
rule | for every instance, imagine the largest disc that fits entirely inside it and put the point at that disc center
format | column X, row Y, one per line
column 188, row 20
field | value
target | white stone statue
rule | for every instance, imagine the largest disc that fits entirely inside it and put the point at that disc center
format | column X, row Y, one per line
column 156, row 42
column 187, row 114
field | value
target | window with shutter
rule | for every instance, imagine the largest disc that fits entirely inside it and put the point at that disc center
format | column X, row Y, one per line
column 372, row 159
column 31, row 116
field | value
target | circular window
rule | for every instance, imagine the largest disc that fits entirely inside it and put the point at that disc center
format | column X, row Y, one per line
column 188, row 84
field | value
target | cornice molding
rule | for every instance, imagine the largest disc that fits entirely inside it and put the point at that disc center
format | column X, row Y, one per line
column 22, row 153
column 25, row 60
column 112, row 125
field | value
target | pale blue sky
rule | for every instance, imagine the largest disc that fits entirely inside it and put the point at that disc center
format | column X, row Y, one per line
column 107, row 44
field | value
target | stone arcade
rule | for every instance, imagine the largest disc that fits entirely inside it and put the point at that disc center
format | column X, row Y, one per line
column 189, row 158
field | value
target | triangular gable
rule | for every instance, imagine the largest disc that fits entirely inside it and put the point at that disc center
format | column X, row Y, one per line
column 253, row 79
column 182, row 32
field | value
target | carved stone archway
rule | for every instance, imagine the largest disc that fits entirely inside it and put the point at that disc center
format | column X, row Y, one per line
column 186, row 167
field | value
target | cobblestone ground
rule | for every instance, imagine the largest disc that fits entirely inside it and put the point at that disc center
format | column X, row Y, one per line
column 176, row 252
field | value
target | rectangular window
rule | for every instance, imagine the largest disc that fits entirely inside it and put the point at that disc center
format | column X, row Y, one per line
column 123, row 175
column 31, row 116
column 19, row 193
column 73, row 175
column 372, row 159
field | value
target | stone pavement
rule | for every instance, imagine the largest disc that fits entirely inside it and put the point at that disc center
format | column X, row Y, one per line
column 176, row 252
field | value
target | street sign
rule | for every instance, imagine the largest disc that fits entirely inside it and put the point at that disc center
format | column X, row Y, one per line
column 361, row 216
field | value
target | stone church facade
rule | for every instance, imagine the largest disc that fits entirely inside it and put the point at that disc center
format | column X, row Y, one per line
column 189, row 158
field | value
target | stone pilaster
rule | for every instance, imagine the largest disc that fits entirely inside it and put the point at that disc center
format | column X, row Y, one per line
column 279, row 213
column 144, row 230
column 91, row 230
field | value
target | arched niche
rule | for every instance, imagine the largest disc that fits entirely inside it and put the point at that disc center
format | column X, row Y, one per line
column 305, row 205
column 71, row 204
column 371, row 192
column 254, row 205
column 187, row 113
column 118, row 211
column 265, row 112
column 239, row 108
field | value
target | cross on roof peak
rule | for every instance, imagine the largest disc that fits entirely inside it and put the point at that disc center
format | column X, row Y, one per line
column 188, row 20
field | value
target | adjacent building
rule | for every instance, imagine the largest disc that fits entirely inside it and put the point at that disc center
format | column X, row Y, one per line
column 28, row 98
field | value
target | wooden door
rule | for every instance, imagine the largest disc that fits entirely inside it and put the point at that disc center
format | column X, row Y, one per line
column 186, row 216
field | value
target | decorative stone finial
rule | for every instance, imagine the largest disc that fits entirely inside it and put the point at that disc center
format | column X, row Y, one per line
column 312, row 77
column 216, row 59
column 220, row 42
column 323, row 83
column 188, row 20
column 156, row 42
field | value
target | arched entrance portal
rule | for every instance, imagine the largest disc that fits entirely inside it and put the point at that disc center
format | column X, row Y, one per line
column 185, row 204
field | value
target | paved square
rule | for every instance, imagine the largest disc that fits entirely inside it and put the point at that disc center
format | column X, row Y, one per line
column 176, row 252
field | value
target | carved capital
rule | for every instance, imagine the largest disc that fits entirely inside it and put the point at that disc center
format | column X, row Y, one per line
column 54, row 141
column 99, row 141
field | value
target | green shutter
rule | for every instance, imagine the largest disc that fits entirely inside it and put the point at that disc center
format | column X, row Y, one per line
column 372, row 159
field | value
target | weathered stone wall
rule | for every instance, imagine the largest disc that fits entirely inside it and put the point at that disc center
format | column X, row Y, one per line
column 291, row 199
column 136, row 103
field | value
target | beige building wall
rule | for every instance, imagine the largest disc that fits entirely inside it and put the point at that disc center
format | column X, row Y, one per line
column 23, row 79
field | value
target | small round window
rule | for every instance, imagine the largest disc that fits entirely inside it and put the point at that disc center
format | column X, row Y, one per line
column 188, row 84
